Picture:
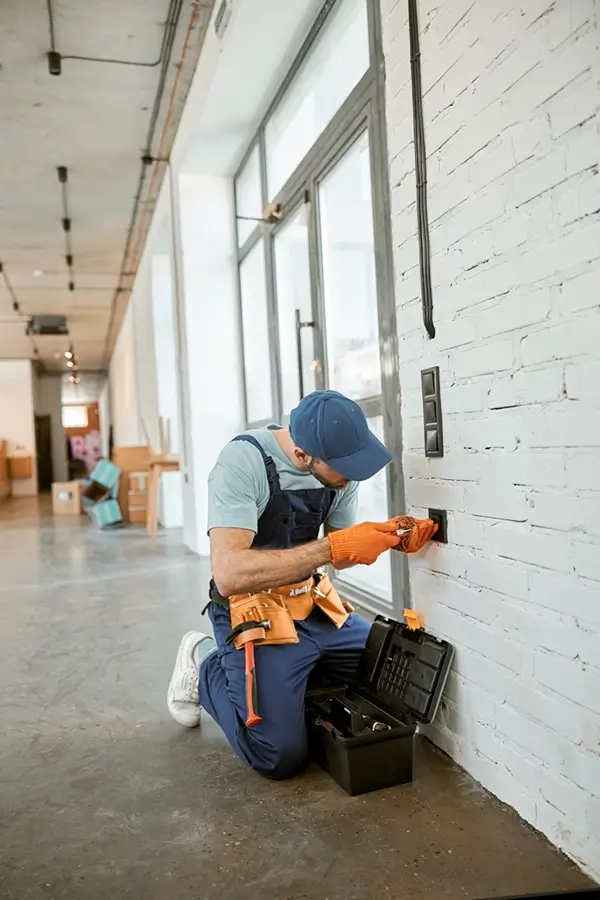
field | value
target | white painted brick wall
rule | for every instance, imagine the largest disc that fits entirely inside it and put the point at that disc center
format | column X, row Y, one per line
column 512, row 126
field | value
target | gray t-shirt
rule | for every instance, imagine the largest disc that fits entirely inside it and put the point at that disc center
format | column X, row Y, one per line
column 238, row 489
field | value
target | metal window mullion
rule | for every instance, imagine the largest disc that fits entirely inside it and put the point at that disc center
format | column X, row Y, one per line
column 254, row 236
column 272, row 319
column 361, row 597
column 249, row 244
column 343, row 119
column 242, row 340
column 371, row 406
column 388, row 329
column 299, row 59
column 316, row 287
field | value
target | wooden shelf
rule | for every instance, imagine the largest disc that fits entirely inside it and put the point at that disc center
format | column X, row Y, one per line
column 20, row 467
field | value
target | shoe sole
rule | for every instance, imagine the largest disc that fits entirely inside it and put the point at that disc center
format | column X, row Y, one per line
column 184, row 717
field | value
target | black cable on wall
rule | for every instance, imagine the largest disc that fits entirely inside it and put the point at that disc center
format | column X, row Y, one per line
column 420, row 169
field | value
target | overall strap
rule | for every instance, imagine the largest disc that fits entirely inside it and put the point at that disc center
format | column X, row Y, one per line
column 272, row 474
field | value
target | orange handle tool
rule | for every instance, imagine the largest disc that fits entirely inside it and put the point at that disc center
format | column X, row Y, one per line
column 253, row 717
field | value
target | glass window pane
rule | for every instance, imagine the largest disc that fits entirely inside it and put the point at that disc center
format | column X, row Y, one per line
column 372, row 507
column 255, row 331
column 349, row 282
column 334, row 66
column 292, row 272
column 248, row 198
column 75, row 416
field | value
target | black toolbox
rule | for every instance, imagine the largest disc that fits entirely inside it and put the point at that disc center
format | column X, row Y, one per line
column 363, row 734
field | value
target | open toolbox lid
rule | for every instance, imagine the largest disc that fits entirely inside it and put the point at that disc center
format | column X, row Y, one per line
column 404, row 670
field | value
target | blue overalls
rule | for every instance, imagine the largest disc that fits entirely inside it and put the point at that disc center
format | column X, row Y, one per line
column 277, row 747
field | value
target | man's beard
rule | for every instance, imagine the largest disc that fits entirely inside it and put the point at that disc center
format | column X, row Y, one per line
column 336, row 486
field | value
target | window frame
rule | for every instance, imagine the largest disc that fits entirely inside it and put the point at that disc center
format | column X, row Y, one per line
column 363, row 109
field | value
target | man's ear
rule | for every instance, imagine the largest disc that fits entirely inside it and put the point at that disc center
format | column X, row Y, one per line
column 301, row 456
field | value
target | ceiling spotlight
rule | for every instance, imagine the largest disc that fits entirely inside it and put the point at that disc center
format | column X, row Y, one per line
column 68, row 354
column 70, row 363
column 37, row 273
column 54, row 63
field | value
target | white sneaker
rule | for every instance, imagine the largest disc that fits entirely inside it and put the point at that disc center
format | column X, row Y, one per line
column 182, row 696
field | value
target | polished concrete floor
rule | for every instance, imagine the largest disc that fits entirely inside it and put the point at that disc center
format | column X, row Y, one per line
column 103, row 796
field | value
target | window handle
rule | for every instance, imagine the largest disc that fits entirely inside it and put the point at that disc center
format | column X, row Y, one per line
column 299, row 326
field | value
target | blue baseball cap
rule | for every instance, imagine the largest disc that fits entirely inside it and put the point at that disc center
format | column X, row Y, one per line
column 333, row 428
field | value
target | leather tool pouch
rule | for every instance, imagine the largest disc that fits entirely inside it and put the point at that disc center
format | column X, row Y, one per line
column 282, row 608
column 259, row 608
column 328, row 600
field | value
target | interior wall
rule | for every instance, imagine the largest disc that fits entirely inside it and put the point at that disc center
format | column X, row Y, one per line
column 167, row 383
column 105, row 420
column 209, row 318
column 144, row 355
column 17, row 417
column 87, row 391
column 511, row 108
column 48, row 402
column 125, row 414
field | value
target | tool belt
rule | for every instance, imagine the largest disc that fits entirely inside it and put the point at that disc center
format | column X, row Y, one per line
column 269, row 617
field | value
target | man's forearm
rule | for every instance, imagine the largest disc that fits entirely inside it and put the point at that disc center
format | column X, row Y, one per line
column 260, row 570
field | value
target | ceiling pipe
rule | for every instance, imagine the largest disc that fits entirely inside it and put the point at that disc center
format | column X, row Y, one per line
column 144, row 167
column 55, row 58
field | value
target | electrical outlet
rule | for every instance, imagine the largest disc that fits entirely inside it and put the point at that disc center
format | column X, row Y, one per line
column 440, row 517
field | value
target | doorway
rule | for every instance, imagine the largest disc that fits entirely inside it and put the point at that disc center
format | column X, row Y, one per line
column 43, row 449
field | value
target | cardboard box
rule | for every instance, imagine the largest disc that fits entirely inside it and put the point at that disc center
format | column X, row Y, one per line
column 66, row 498
column 133, row 461
column 106, row 474
column 95, row 492
column 138, row 482
column 137, row 500
column 106, row 513
column 137, row 516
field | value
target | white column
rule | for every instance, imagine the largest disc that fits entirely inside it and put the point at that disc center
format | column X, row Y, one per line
column 171, row 508
column 124, row 403
column 208, row 336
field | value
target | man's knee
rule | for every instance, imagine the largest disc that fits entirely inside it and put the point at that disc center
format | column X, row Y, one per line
column 281, row 760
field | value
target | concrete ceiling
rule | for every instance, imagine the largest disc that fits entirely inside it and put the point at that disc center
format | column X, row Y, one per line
column 94, row 119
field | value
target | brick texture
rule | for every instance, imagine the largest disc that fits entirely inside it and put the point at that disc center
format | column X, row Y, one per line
column 512, row 125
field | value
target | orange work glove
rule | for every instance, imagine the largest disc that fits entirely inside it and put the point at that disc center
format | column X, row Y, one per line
column 363, row 543
column 413, row 533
